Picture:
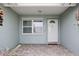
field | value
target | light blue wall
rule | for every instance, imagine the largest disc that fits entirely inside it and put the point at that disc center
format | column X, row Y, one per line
column 35, row 39
column 69, row 33
column 9, row 32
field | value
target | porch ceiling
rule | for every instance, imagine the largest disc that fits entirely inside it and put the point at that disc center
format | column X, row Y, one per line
column 41, row 10
column 38, row 9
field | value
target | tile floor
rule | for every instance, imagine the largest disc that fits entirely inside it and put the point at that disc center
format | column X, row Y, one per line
column 39, row 50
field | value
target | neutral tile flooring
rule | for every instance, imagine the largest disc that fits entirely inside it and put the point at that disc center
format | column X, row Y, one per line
column 40, row 50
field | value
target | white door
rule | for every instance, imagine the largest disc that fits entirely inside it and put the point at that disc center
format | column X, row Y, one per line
column 52, row 31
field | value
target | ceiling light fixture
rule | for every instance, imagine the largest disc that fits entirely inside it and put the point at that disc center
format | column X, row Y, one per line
column 39, row 11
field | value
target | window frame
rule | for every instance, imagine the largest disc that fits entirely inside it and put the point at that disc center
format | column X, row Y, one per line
column 32, row 19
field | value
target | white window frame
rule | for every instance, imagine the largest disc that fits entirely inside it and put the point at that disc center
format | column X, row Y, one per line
column 32, row 19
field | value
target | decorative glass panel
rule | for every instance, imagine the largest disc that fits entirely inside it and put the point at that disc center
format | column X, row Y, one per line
column 27, row 30
column 27, row 23
column 52, row 21
column 37, row 26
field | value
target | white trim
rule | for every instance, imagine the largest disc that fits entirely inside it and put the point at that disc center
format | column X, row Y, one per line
column 27, row 26
column 32, row 18
column 32, row 33
column 32, row 27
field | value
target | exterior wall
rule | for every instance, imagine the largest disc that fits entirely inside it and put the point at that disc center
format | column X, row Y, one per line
column 35, row 39
column 11, row 31
column 9, row 34
column 70, row 30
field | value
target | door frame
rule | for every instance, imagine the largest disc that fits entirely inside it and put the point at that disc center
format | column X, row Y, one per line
column 48, row 33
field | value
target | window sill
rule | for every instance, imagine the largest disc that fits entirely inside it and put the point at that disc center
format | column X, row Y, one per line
column 32, row 33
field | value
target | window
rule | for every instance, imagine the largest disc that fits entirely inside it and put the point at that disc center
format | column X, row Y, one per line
column 37, row 26
column 32, row 26
column 27, row 26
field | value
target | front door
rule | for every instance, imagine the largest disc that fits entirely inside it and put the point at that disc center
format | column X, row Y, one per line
column 52, row 31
